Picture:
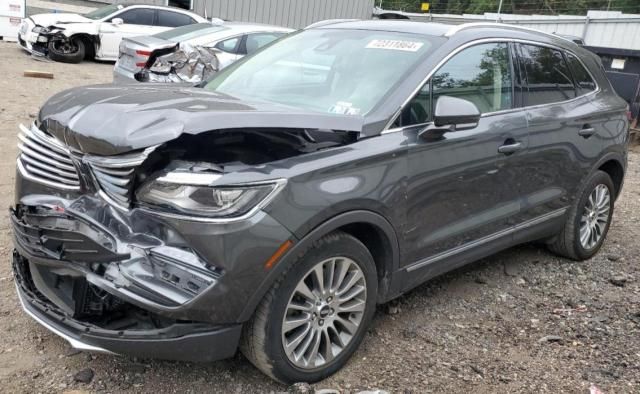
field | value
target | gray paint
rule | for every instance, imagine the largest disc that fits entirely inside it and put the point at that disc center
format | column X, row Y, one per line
column 436, row 203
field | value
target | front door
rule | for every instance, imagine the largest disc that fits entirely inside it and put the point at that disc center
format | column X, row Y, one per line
column 135, row 22
column 461, row 189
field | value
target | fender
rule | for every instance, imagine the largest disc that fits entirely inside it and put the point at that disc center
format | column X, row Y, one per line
column 300, row 246
column 616, row 156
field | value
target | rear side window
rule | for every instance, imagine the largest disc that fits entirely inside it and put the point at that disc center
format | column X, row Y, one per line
column 584, row 82
column 137, row 16
column 480, row 74
column 257, row 41
column 229, row 45
column 548, row 79
column 173, row 19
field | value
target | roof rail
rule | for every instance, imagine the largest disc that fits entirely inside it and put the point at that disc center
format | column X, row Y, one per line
column 327, row 22
column 457, row 28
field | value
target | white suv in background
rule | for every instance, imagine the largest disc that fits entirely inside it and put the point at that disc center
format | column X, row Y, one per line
column 70, row 38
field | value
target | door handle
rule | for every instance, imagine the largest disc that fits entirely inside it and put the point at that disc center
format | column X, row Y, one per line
column 586, row 131
column 509, row 147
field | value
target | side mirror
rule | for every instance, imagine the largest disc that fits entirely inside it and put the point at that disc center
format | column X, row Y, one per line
column 117, row 21
column 452, row 114
column 457, row 112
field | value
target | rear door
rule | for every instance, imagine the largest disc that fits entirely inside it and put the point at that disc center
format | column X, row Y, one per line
column 461, row 190
column 563, row 137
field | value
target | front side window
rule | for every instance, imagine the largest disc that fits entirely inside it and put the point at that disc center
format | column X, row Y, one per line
column 584, row 82
column 480, row 74
column 173, row 19
column 137, row 16
column 327, row 70
column 103, row 12
column 548, row 79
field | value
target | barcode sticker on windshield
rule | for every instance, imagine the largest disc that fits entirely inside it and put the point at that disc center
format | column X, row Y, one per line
column 397, row 45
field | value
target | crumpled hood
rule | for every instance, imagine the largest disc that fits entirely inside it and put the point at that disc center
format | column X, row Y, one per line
column 109, row 119
column 54, row 18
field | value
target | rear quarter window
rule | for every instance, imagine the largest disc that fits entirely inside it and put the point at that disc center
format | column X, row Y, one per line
column 547, row 76
column 584, row 82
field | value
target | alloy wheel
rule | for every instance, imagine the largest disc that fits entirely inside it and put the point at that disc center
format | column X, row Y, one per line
column 65, row 47
column 595, row 217
column 324, row 312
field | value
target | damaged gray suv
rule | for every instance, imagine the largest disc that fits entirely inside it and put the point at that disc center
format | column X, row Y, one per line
column 272, row 208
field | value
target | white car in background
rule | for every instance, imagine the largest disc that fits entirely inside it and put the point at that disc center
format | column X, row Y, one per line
column 191, row 53
column 70, row 38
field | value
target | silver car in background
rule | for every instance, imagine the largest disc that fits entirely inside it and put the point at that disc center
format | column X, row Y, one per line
column 190, row 53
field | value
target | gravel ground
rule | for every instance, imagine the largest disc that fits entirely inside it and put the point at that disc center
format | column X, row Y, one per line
column 520, row 321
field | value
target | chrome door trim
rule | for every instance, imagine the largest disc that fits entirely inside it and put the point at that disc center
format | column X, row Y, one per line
column 486, row 239
column 485, row 41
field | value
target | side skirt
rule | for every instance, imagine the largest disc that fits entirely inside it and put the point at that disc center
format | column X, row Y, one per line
column 419, row 272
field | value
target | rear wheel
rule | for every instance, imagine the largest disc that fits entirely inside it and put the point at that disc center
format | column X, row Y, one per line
column 315, row 316
column 71, row 50
column 588, row 221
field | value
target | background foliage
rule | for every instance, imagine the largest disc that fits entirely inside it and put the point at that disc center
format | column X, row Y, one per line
column 547, row 7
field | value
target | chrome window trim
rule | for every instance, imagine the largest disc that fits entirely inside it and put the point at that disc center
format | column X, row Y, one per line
column 462, row 47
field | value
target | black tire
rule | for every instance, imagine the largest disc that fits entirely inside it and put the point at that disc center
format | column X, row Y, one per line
column 262, row 338
column 567, row 242
column 76, row 55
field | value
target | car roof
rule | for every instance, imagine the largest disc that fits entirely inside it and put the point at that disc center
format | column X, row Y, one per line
column 201, row 33
column 480, row 29
column 162, row 7
column 241, row 27
column 428, row 28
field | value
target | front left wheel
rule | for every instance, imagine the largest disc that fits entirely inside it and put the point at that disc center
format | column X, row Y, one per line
column 70, row 50
column 313, row 319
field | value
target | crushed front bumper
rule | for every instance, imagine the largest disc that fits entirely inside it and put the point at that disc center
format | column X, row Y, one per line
column 176, row 289
column 180, row 341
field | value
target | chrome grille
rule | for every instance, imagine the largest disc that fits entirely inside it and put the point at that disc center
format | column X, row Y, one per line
column 45, row 160
column 114, row 174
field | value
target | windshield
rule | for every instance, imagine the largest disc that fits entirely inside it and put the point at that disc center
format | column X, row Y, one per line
column 103, row 12
column 187, row 32
column 326, row 70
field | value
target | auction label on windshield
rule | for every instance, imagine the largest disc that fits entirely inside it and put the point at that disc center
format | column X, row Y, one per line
column 397, row 45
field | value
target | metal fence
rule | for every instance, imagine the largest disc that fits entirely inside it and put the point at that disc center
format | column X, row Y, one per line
column 598, row 28
column 289, row 13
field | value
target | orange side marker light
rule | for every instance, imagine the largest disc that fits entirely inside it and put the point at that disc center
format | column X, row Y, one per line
column 276, row 256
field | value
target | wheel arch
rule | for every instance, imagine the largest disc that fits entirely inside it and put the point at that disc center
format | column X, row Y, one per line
column 370, row 228
column 614, row 164
column 90, row 42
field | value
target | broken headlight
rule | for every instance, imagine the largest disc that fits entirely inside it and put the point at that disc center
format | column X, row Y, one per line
column 40, row 30
column 188, row 193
